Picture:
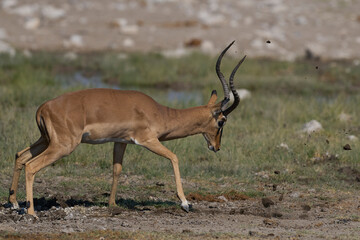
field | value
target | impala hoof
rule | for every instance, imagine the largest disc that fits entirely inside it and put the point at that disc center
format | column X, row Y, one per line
column 14, row 205
column 185, row 206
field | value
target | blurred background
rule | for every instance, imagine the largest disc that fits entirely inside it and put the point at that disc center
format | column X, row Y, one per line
column 294, row 138
column 272, row 28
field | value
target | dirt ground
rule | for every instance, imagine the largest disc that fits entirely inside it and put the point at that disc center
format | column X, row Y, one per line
column 284, row 213
column 271, row 28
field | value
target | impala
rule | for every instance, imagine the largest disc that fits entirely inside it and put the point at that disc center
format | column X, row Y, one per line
column 97, row 116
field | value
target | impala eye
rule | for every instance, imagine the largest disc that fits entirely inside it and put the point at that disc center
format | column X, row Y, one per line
column 221, row 124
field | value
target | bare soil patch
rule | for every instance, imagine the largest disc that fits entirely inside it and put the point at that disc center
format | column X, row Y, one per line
column 291, row 212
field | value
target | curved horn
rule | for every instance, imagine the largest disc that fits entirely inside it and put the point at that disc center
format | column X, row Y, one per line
column 221, row 77
column 233, row 90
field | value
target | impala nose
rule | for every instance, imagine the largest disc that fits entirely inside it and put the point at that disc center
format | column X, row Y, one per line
column 212, row 148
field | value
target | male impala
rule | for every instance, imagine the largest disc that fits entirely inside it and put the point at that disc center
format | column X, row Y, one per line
column 124, row 117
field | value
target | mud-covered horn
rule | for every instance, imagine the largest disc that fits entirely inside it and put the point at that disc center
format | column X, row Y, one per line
column 221, row 77
column 233, row 90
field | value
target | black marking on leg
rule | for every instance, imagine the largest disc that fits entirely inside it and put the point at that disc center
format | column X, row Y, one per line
column 11, row 192
column 28, row 204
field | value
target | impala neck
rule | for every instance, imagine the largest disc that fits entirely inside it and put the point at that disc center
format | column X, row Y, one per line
column 181, row 123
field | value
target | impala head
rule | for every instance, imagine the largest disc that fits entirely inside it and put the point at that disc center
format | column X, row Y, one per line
column 220, row 111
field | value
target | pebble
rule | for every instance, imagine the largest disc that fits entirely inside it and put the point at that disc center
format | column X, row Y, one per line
column 128, row 43
column 312, row 126
column 32, row 23
column 3, row 34
column 52, row 12
column 75, row 41
column 129, row 29
column 6, row 48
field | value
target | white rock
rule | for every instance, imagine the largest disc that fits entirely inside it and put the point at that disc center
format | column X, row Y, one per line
column 222, row 198
column 352, row 138
column 344, row 117
column 52, row 12
column 74, row 41
column 295, row 195
column 258, row 43
column 243, row 94
column 262, row 174
column 7, row 48
column 70, row 56
column 130, row 29
column 207, row 47
column 8, row 3
column 128, row 42
column 122, row 56
column 3, row 34
column 176, row 53
column 312, row 126
column 210, row 18
column 26, row 10
column 284, row 146
column 27, row 53
column 32, row 23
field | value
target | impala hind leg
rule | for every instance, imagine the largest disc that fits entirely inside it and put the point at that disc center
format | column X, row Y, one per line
column 156, row 147
column 47, row 157
column 118, row 154
column 20, row 159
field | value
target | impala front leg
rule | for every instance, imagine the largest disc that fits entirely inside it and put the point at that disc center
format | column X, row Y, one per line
column 156, row 147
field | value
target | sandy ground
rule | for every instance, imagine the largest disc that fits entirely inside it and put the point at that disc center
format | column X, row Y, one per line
column 301, row 213
column 271, row 28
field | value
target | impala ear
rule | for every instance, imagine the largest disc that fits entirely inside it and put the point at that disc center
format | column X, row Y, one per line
column 213, row 98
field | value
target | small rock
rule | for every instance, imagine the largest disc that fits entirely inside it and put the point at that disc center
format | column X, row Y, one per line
column 276, row 214
column 70, row 56
column 284, row 146
column 26, row 10
column 222, row 198
column 3, row 34
column 347, row 147
column 213, row 205
column 207, row 47
column 32, row 24
column 211, row 19
column 270, row 222
column 27, row 53
column 295, row 195
column 67, row 230
column 243, row 94
column 130, row 29
column 118, row 23
column 262, row 174
column 52, row 13
column 312, row 126
column 306, row 207
column 352, row 138
column 74, row 41
column 344, row 117
column 6, row 48
column 176, row 53
column 160, row 184
column 281, row 197
column 267, row 202
column 6, row 4
column 125, row 224
column 128, row 43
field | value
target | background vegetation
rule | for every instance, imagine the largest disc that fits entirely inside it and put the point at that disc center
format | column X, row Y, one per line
column 285, row 95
